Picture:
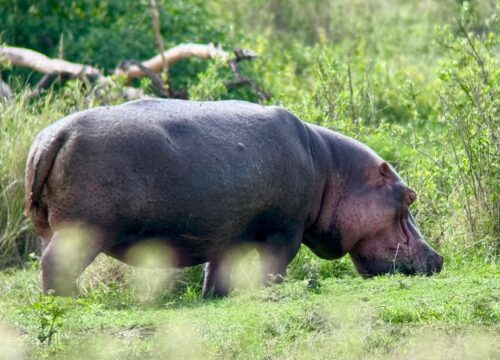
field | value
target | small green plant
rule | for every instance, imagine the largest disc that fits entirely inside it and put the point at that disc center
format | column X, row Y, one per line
column 312, row 276
column 48, row 312
column 191, row 293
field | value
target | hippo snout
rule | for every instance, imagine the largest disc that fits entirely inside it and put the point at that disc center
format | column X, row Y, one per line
column 434, row 263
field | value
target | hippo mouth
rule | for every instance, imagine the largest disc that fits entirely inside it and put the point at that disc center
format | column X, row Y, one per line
column 404, row 258
column 425, row 261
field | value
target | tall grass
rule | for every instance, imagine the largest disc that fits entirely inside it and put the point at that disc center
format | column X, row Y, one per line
column 20, row 120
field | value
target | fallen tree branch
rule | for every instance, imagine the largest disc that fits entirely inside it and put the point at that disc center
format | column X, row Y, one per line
column 240, row 80
column 41, row 63
column 48, row 79
column 61, row 69
column 175, row 54
column 44, row 83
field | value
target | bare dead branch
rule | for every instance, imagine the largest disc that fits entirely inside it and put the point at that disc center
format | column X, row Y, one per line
column 41, row 63
column 240, row 80
column 159, row 40
column 56, row 68
column 175, row 54
column 244, row 54
column 44, row 83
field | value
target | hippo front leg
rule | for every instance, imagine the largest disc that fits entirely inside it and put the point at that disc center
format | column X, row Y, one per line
column 216, row 282
column 277, row 252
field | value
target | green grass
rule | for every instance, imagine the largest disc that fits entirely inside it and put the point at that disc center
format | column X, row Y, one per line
column 417, row 81
column 454, row 315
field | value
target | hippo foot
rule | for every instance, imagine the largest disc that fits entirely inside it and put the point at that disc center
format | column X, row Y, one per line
column 216, row 283
column 271, row 279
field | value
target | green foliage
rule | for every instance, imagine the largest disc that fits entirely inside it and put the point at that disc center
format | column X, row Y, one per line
column 48, row 312
column 105, row 33
column 470, row 103
column 210, row 86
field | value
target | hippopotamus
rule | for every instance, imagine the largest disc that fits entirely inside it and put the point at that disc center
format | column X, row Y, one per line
column 202, row 178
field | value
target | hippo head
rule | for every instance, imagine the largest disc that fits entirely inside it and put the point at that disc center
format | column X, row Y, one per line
column 378, row 230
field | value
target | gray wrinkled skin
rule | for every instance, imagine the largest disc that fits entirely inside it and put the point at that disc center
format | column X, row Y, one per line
column 205, row 177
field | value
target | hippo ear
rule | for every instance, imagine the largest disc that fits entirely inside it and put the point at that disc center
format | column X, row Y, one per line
column 385, row 169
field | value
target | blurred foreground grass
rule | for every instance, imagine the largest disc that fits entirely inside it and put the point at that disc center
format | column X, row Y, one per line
column 453, row 315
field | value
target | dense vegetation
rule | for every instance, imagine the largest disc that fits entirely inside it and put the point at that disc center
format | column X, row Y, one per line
column 418, row 81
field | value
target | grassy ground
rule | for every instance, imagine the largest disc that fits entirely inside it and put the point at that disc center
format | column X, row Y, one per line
column 454, row 315
column 418, row 81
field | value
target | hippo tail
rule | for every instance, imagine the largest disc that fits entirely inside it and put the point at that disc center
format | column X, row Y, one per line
column 38, row 167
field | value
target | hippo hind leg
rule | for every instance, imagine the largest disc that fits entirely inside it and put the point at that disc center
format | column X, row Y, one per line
column 65, row 257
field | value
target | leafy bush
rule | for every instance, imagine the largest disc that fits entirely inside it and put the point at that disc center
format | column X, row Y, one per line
column 470, row 110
